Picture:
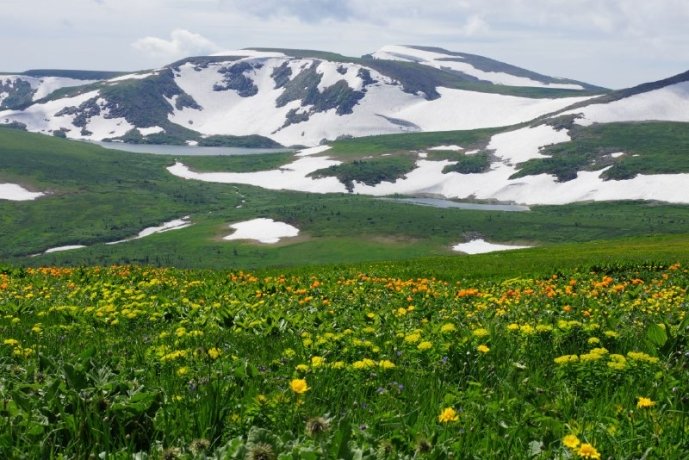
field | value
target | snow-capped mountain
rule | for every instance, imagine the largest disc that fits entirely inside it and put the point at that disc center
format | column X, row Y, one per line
column 300, row 97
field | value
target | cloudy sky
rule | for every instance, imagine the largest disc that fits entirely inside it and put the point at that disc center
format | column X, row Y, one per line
column 613, row 43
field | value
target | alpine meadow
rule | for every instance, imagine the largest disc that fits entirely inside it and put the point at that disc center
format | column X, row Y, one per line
column 273, row 253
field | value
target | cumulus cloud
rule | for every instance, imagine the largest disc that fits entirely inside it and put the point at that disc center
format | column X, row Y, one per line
column 181, row 43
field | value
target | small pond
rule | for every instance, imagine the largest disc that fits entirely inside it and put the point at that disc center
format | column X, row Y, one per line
column 445, row 204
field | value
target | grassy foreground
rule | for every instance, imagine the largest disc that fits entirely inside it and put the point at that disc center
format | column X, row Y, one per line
column 343, row 363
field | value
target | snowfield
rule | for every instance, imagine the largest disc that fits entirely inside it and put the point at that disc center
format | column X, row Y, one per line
column 481, row 246
column 175, row 224
column 670, row 103
column 428, row 178
column 265, row 231
column 15, row 192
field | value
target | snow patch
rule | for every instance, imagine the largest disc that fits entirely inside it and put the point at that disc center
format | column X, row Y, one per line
column 175, row 224
column 524, row 144
column 132, row 76
column 452, row 148
column 265, row 231
column 64, row 248
column 15, row 192
column 290, row 177
column 481, row 246
column 151, row 130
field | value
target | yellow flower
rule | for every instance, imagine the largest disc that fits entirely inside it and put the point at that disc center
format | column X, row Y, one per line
column 571, row 441
column 182, row 371
column 448, row 415
column 11, row 342
column 386, row 364
column 645, row 403
column 447, row 327
column 564, row 359
column 413, row 337
column 301, row 368
column 588, row 451
column 425, row 346
column 317, row 361
column 480, row 332
column 214, row 353
column 483, row 348
column 299, row 386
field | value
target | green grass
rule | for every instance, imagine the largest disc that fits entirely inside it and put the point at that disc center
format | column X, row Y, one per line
column 362, row 146
column 243, row 163
column 649, row 147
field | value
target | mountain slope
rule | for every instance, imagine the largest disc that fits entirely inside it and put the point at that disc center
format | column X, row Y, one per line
column 292, row 97
column 478, row 68
column 664, row 100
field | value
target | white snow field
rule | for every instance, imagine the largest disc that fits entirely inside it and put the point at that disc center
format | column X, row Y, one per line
column 42, row 118
column 15, row 192
column 265, row 231
column 452, row 62
column 481, row 246
column 43, row 86
column 670, row 103
column 428, row 178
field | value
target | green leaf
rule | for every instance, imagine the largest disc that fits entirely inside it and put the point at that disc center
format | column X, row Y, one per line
column 656, row 335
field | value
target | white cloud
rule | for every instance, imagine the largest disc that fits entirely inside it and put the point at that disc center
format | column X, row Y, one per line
column 182, row 43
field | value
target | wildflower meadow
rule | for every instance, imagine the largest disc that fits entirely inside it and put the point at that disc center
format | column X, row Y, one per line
column 132, row 362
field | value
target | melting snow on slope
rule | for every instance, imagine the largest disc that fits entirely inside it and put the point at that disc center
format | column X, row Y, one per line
column 670, row 103
column 64, row 248
column 151, row 130
column 524, row 144
column 453, row 62
column 15, row 192
column 175, row 224
column 42, row 118
column 481, row 246
column 265, row 231
column 496, row 184
column 290, row 177
column 452, row 148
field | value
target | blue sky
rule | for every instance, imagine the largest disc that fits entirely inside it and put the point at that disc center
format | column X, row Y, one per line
column 613, row 43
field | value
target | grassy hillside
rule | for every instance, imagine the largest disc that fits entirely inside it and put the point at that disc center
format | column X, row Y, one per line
column 97, row 196
column 649, row 148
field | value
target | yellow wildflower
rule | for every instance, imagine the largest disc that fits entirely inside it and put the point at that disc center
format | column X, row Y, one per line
column 447, row 328
column 299, row 386
column 386, row 364
column 644, row 403
column 588, row 451
column 480, row 332
column 448, row 415
column 571, row 441
column 483, row 348
column 425, row 346
column 214, row 353
column 317, row 361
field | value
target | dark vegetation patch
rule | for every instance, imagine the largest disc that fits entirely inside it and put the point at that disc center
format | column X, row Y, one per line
column 18, row 93
column 235, row 79
column 252, row 141
column 469, row 164
column 370, row 172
